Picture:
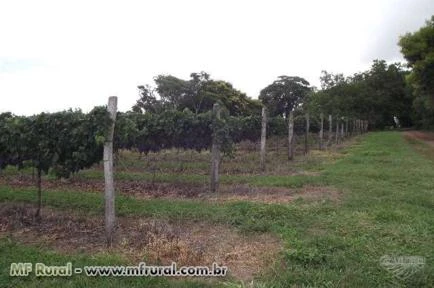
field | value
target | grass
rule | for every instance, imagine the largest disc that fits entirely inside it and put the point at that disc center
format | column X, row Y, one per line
column 387, row 208
column 422, row 147
column 247, row 216
column 13, row 252
column 255, row 180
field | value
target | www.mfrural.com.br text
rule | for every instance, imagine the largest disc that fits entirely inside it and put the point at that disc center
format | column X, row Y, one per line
column 22, row 269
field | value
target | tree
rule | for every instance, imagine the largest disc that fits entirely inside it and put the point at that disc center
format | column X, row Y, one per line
column 418, row 50
column 148, row 101
column 235, row 101
column 329, row 80
column 284, row 94
column 376, row 95
column 198, row 94
column 172, row 90
column 388, row 94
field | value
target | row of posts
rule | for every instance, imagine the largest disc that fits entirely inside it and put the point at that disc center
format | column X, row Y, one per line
column 359, row 127
column 344, row 127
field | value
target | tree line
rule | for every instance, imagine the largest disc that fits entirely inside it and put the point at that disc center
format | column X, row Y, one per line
column 387, row 95
column 418, row 50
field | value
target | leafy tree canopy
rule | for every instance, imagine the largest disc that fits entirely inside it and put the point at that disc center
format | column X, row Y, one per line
column 198, row 94
column 285, row 94
column 418, row 50
column 377, row 95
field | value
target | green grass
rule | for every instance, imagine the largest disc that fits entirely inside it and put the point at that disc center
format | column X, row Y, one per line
column 255, row 180
column 247, row 216
column 422, row 147
column 386, row 208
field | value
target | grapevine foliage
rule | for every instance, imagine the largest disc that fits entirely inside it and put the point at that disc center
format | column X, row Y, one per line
column 69, row 141
column 64, row 141
column 182, row 130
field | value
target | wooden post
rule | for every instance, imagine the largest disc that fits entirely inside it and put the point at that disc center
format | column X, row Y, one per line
column 215, row 151
column 356, row 132
column 39, row 183
column 357, row 127
column 277, row 144
column 291, row 135
column 321, row 131
column 346, row 127
column 108, row 173
column 337, row 130
column 263, row 137
column 306, row 136
column 342, row 131
column 330, row 130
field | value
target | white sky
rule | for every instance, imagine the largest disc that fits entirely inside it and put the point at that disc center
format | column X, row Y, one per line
column 59, row 54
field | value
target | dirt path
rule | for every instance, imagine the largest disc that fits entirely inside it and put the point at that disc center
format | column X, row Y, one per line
column 426, row 137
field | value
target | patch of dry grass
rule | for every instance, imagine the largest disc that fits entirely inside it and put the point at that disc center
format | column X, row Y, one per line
column 158, row 241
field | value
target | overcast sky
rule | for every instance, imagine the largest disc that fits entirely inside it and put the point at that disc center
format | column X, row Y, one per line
column 59, row 54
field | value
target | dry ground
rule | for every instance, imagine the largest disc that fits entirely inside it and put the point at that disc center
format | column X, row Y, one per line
column 427, row 137
column 157, row 241
column 146, row 190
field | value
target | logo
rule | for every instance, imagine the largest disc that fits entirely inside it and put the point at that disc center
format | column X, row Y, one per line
column 402, row 267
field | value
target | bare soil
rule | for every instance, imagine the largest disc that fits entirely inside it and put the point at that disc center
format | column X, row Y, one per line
column 273, row 195
column 156, row 241
column 427, row 137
